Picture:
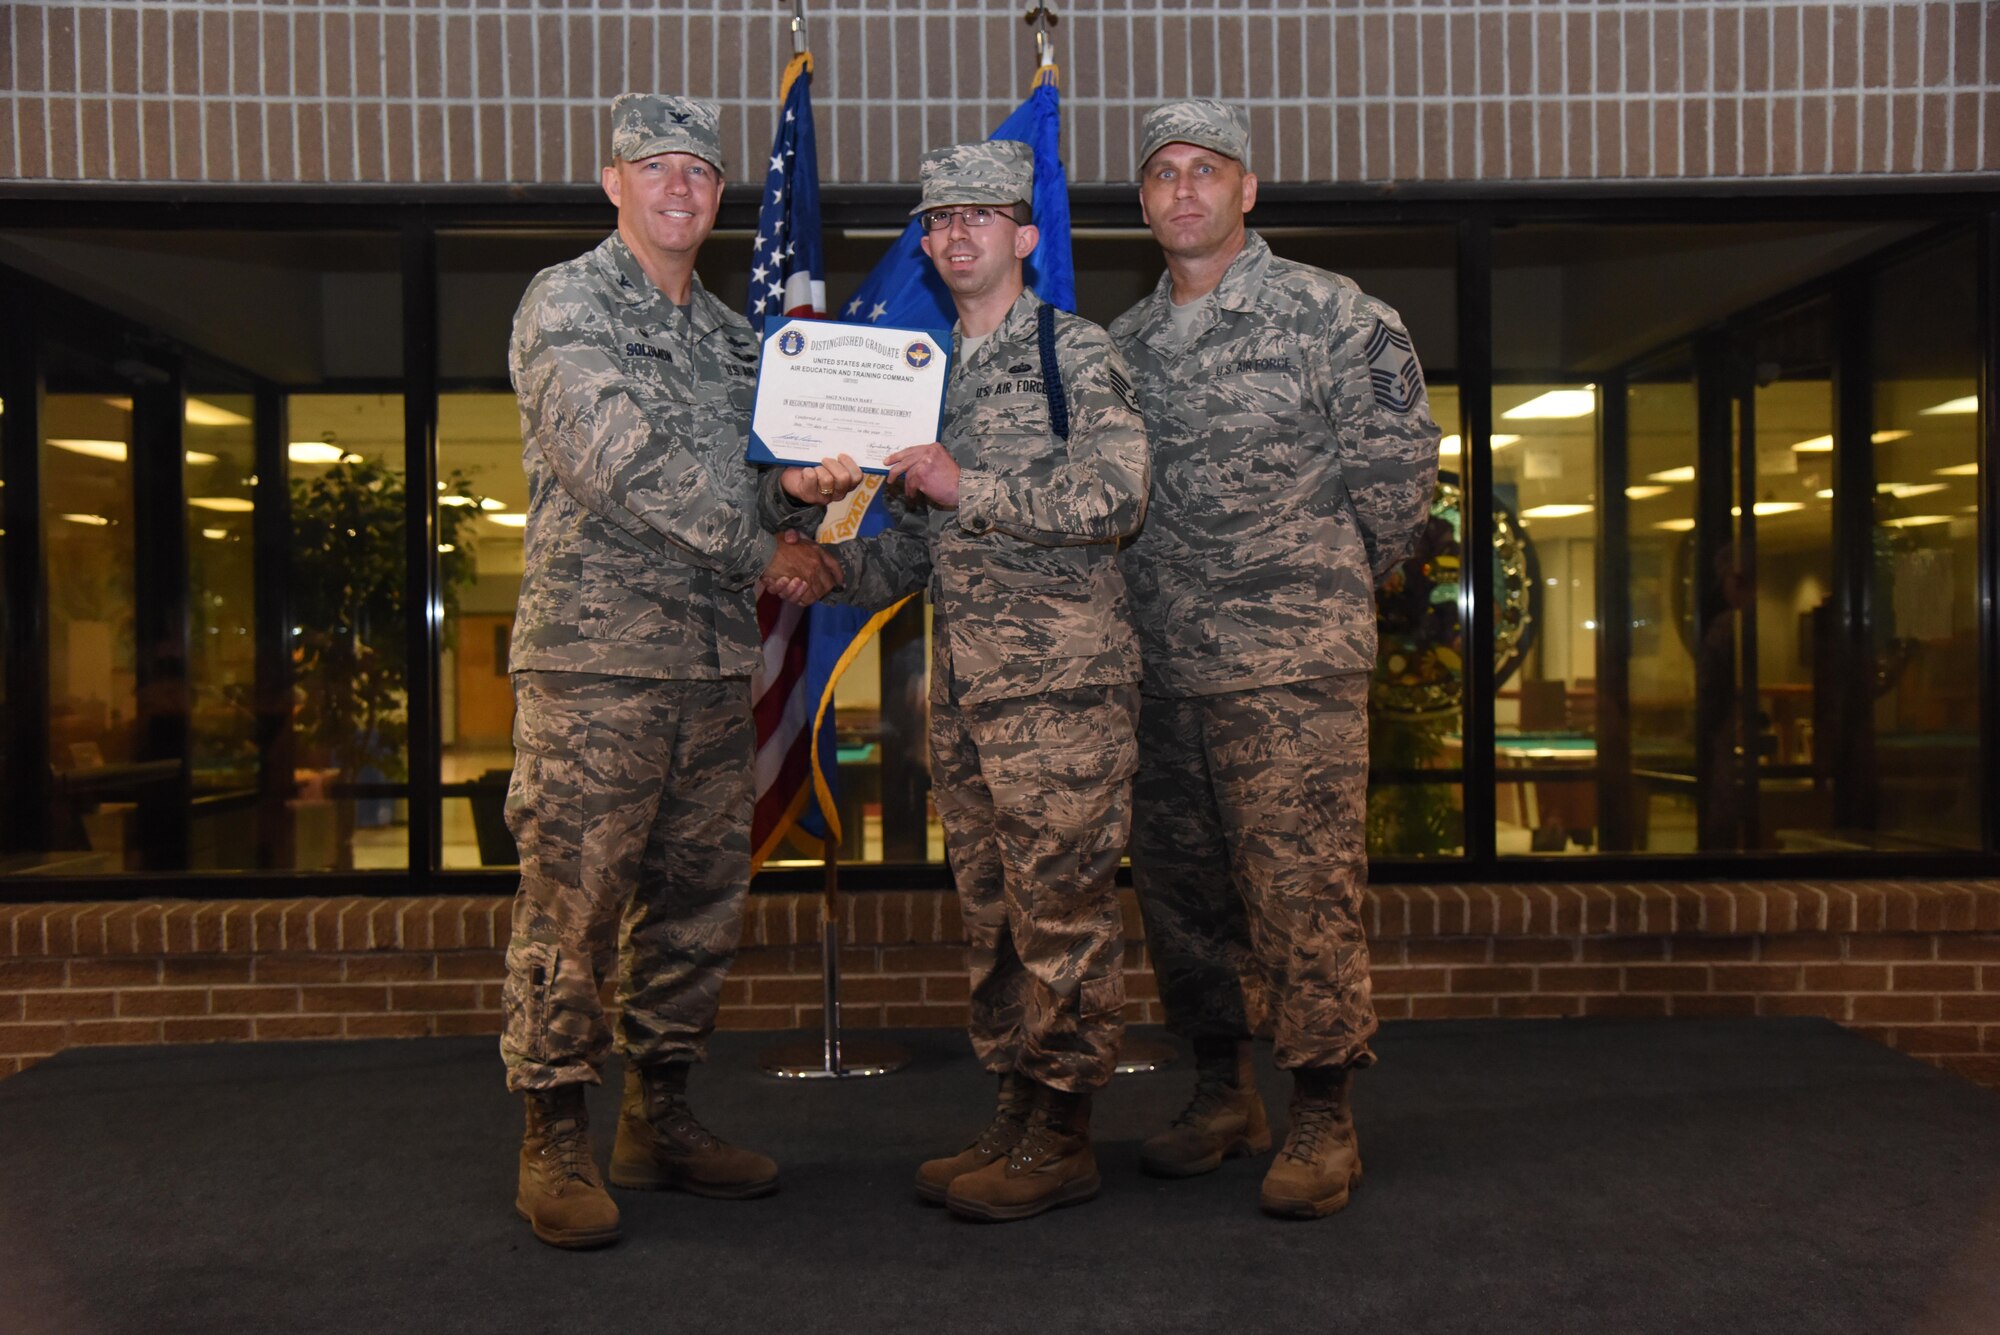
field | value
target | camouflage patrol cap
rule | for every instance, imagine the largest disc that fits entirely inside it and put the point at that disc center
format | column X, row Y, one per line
column 1200, row 121
column 994, row 171
column 646, row 124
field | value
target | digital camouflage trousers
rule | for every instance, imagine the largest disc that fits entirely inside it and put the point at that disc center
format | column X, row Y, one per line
column 630, row 804
column 1249, row 855
column 1035, row 797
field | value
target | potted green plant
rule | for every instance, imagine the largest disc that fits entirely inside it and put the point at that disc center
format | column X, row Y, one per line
column 350, row 642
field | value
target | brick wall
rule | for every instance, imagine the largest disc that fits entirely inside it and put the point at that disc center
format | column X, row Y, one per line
column 1915, row 965
column 439, row 91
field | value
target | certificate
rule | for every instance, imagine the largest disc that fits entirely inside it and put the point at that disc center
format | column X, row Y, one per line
column 825, row 387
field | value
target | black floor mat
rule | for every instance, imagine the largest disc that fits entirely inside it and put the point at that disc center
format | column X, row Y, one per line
column 1758, row 1176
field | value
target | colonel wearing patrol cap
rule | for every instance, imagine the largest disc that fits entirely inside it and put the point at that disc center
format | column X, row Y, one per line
column 633, row 644
column 1012, row 521
column 1296, row 457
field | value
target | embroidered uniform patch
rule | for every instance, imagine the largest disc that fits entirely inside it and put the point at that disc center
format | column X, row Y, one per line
column 1392, row 369
column 1122, row 388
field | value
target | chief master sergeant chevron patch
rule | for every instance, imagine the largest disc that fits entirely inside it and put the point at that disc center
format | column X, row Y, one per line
column 1392, row 368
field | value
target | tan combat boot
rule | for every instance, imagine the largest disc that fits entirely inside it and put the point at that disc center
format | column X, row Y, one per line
column 1321, row 1160
column 662, row 1147
column 1224, row 1119
column 1010, row 1122
column 1051, row 1164
column 560, row 1194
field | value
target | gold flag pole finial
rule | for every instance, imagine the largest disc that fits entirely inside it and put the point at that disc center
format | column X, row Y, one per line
column 802, row 59
column 1043, row 17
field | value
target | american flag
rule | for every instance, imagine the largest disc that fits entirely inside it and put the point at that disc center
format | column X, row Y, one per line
column 787, row 278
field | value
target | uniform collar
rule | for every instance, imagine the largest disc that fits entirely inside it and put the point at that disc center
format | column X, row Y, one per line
column 1238, row 290
column 634, row 288
column 1018, row 323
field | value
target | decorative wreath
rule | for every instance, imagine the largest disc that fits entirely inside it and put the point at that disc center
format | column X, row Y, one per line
column 1420, row 662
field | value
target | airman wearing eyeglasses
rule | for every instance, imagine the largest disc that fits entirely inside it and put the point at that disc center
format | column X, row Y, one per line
column 1013, row 521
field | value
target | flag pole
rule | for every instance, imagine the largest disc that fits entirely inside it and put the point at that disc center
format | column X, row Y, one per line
column 830, row 1058
column 833, row 1057
column 1042, row 17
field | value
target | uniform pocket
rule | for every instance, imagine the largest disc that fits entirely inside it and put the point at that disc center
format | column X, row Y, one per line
column 525, row 998
column 1101, row 996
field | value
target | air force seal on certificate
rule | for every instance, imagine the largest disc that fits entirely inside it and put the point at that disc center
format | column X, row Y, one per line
column 825, row 388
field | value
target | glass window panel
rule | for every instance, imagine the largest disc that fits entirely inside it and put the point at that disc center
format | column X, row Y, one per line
column 349, row 642
column 1545, row 594
column 87, row 522
column 1789, row 461
column 482, row 497
column 1416, row 700
column 219, row 472
column 230, row 310
column 1662, row 444
column 1576, row 306
column 1924, row 586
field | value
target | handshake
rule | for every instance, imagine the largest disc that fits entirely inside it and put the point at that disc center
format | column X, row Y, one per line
column 801, row 571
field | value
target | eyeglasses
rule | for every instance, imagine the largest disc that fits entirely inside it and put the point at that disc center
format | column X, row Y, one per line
column 937, row 220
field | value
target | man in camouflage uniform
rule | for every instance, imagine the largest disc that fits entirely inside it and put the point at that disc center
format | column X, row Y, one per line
column 1033, row 677
column 633, row 645
column 1295, row 458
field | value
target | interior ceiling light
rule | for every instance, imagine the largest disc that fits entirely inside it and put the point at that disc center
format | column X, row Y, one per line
column 1451, row 445
column 198, row 457
column 1777, row 507
column 489, row 503
column 1916, row 521
column 1968, row 404
column 1824, row 444
column 1682, row 474
column 1560, row 511
column 1958, row 470
column 216, row 533
column 314, row 452
column 1676, row 525
column 456, row 500
column 1646, row 493
column 113, row 450
column 95, row 521
column 1824, row 493
column 446, row 547
column 228, row 505
column 1904, row 490
column 509, row 521
column 1556, row 403
column 200, row 412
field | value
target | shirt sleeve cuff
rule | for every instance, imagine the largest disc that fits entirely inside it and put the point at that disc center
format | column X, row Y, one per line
column 757, row 554
column 976, row 495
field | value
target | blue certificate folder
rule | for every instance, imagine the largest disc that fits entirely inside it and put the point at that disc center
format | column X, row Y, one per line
column 789, row 337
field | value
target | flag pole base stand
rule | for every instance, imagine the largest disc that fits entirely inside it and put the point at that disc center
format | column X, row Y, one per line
column 1140, row 1055
column 810, row 1060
